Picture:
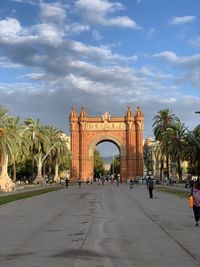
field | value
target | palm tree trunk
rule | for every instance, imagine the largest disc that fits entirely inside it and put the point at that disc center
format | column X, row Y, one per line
column 161, row 169
column 179, row 170
column 6, row 183
column 167, row 166
column 56, row 178
column 39, row 177
column 43, row 170
column 14, row 172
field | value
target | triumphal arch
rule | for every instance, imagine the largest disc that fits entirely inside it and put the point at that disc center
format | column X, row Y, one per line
column 126, row 132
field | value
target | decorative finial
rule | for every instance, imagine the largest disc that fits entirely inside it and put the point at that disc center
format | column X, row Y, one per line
column 83, row 112
column 139, row 112
column 129, row 112
column 73, row 113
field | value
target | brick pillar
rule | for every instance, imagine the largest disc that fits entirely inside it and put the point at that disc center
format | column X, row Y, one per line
column 83, row 154
column 123, row 168
column 74, row 160
column 129, row 118
column 139, row 119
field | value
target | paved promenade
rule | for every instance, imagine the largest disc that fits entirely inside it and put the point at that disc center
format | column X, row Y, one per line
column 99, row 226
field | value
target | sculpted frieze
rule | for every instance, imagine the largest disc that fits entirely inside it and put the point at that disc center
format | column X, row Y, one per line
column 105, row 126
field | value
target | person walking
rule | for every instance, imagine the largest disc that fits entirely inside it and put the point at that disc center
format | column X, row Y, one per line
column 149, row 182
column 79, row 182
column 131, row 183
column 118, row 181
column 195, row 192
column 66, row 182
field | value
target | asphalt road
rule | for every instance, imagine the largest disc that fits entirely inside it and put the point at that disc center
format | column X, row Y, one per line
column 99, row 226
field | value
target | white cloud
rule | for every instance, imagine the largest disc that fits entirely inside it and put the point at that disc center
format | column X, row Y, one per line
column 31, row 2
column 192, row 76
column 34, row 76
column 150, row 33
column 47, row 33
column 182, row 61
column 52, row 12
column 101, row 54
column 10, row 28
column 182, row 20
column 195, row 41
column 96, row 35
column 188, row 66
column 76, row 28
column 12, row 33
column 5, row 63
column 122, row 21
column 99, row 12
column 28, row 101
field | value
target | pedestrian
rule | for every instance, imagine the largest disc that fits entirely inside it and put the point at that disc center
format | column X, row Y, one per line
column 79, row 182
column 149, row 182
column 66, row 182
column 131, row 183
column 195, row 192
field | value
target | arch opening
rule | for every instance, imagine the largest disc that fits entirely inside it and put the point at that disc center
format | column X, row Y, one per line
column 106, row 160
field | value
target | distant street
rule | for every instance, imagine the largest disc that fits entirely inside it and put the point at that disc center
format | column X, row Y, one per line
column 99, row 226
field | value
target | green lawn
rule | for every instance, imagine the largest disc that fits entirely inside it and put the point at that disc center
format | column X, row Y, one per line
column 174, row 191
column 18, row 196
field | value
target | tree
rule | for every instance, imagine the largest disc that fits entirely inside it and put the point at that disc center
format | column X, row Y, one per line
column 192, row 148
column 9, row 140
column 38, row 140
column 115, row 165
column 15, row 126
column 58, row 150
column 173, row 141
column 98, row 164
column 163, row 120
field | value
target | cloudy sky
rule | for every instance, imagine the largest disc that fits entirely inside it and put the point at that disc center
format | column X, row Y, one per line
column 101, row 54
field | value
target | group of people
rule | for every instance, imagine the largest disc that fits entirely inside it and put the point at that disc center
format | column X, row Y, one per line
column 195, row 193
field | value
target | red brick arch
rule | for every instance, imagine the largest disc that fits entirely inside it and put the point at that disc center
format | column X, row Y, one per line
column 125, row 132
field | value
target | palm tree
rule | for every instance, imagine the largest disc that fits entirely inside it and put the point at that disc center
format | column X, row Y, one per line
column 59, row 150
column 9, row 140
column 36, row 136
column 192, row 148
column 173, row 142
column 15, row 126
column 163, row 120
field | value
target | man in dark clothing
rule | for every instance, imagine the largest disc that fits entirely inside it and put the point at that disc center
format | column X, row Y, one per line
column 66, row 182
column 149, row 182
column 79, row 182
column 131, row 183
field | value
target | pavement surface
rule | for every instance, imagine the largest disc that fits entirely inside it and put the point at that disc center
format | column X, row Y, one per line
column 99, row 226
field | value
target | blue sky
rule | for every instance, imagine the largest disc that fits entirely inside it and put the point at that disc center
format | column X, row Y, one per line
column 104, row 55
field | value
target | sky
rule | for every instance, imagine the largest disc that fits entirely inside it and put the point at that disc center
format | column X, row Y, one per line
column 101, row 54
